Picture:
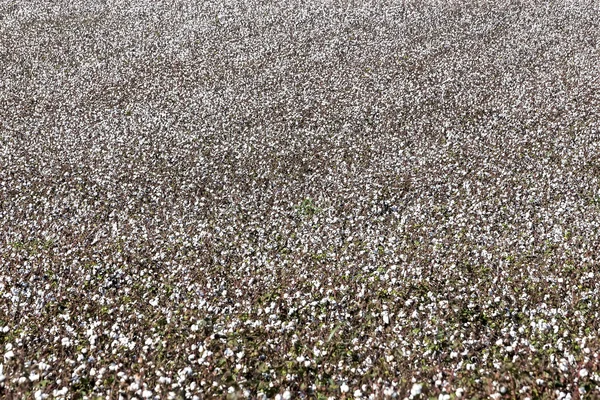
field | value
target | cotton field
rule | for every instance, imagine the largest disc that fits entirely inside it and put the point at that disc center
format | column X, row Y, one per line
column 322, row 199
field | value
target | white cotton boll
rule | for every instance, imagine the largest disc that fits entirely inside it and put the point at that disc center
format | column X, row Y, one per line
column 557, row 233
column 583, row 373
column 146, row 394
column 33, row 377
column 344, row 388
column 287, row 395
column 416, row 389
column 9, row 354
column 563, row 365
column 115, row 229
column 386, row 317
column 357, row 394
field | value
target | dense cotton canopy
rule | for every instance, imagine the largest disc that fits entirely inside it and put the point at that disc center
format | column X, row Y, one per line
column 292, row 199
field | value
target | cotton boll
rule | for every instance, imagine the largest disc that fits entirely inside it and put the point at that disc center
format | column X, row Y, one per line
column 416, row 389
